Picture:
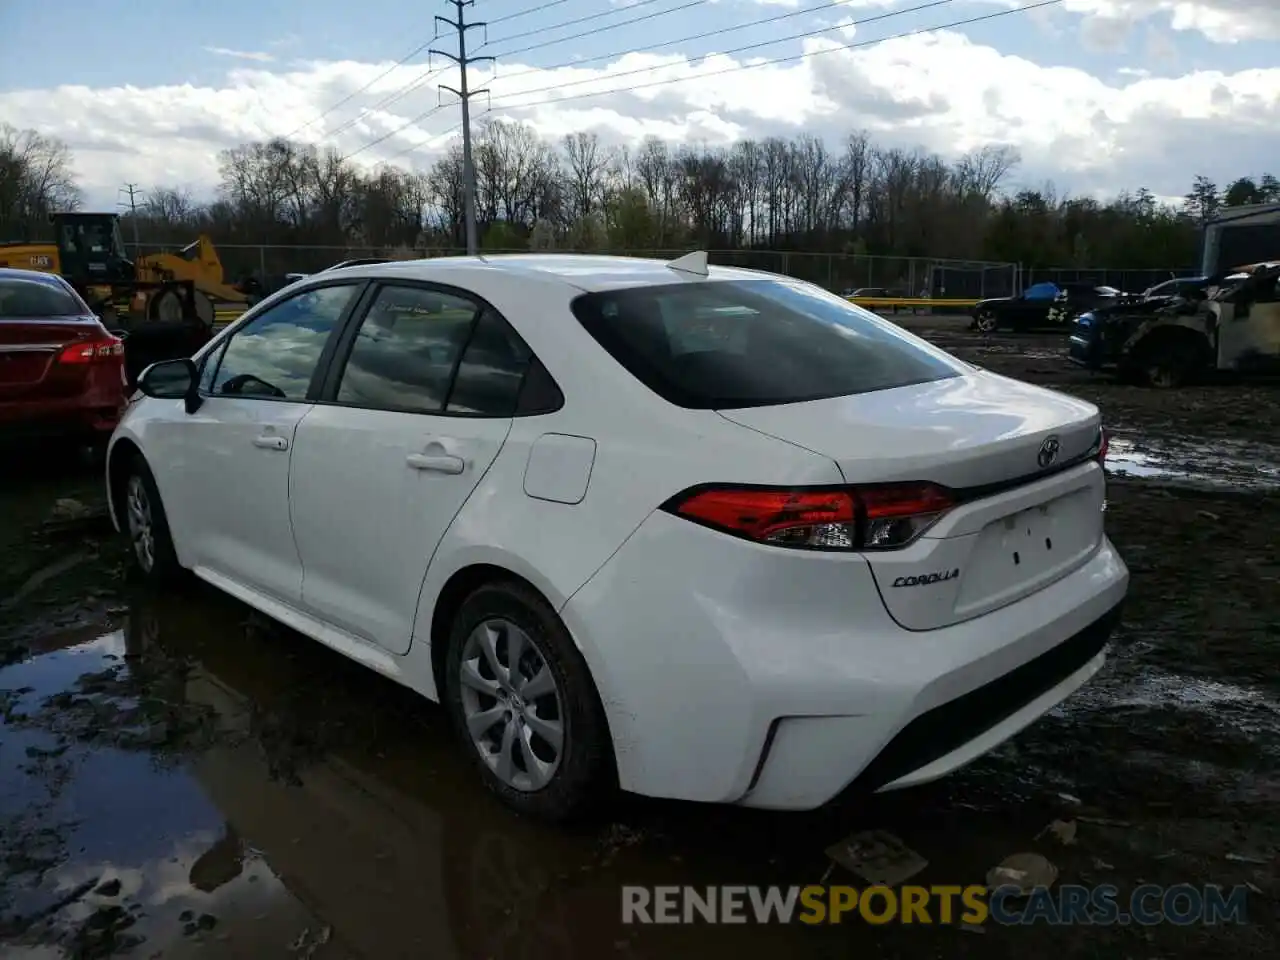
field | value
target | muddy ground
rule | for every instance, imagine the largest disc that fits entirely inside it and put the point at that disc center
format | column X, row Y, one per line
column 182, row 778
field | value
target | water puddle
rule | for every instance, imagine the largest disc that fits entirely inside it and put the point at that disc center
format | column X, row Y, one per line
column 109, row 843
column 190, row 781
column 1223, row 465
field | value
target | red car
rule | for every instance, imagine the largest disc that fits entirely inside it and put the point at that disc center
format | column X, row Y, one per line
column 61, row 371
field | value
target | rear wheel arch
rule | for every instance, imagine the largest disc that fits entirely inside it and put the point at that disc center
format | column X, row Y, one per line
column 460, row 585
column 590, row 773
column 122, row 454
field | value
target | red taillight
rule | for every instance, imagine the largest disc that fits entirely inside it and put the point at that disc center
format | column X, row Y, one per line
column 99, row 350
column 1103, row 443
column 853, row 518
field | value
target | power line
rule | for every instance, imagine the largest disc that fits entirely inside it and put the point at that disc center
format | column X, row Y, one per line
column 349, row 97
column 697, row 36
column 425, row 143
column 572, row 23
column 749, row 46
column 418, row 82
column 400, row 129
column 524, row 13
column 777, row 60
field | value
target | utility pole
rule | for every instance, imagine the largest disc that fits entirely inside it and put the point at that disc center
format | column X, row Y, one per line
column 465, row 95
column 134, row 193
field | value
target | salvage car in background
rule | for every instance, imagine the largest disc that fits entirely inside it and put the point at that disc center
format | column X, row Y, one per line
column 694, row 531
column 1041, row 305
column 1225, row 323
column 61, row 371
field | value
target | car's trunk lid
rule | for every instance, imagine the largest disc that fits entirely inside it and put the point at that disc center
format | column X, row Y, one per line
column 1021, row 520
column 29, row 349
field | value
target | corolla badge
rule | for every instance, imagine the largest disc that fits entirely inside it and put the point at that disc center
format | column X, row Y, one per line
column 1048, row 454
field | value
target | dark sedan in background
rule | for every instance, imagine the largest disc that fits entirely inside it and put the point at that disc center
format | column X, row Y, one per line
column 1041, row 305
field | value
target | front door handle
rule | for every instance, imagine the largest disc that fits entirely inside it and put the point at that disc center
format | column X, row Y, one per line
column 269, row 442
column 440, row 463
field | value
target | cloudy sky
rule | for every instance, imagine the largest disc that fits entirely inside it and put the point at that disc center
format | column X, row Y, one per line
column 1099, row 95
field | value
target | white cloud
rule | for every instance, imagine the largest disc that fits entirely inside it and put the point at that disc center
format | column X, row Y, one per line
column 1223, row 21
column 942, row 91
column 256, row 55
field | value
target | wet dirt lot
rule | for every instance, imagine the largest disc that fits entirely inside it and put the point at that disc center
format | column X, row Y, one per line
column 180, row 777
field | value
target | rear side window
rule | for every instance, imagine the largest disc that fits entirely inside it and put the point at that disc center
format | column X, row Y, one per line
column 405, row 351
column 422, row 350
column 747, row 343
column 31, row 299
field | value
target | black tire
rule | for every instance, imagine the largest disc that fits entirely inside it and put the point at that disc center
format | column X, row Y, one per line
column 1168, row 363
column 585, row 775
column 163, row 567
column 988, row 321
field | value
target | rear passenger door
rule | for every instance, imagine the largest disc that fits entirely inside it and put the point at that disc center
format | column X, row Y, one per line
column 418, row 402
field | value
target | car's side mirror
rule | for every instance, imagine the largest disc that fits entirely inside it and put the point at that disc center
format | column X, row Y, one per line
column 171, row 380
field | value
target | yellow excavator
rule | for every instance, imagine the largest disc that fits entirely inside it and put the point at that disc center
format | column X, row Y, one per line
column 163, row 304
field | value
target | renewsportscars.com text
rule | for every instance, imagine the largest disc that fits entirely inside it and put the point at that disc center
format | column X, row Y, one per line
column 1105, row 904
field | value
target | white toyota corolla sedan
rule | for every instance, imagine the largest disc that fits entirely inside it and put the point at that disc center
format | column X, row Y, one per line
column 696, row 532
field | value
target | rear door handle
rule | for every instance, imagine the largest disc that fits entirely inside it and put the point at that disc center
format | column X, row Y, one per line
column 271, row 443
column 440, row 463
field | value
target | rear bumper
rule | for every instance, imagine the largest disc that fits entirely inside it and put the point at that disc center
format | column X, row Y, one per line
column 732, row 672
column 73, row 421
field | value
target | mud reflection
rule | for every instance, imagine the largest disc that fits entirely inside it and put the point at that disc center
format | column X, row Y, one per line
column 1217, row 466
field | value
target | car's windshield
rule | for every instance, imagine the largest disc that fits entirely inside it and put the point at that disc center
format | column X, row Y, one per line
column 744, row 343
column 27, row 299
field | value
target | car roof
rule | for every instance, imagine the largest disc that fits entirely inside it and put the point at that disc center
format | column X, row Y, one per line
column 586, row 272
column 49, row 279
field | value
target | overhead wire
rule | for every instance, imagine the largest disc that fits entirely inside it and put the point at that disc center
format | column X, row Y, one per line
column 775, row 60
column 734, row 69
column 525, row 12
column 421, row 80
column 351, row 96
column 400, row 129
column 573, row 23
column 826, row 5
column 745, row 47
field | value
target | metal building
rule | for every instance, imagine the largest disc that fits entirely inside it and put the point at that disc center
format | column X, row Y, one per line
column 1241, row 235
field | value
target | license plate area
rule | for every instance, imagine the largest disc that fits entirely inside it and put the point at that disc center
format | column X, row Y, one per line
column 1024, row 551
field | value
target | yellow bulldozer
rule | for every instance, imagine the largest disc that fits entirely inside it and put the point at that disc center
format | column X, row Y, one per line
column 164, row 304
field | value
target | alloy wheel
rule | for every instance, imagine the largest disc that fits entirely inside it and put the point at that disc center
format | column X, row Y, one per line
column 140, row 522
column 512, row 704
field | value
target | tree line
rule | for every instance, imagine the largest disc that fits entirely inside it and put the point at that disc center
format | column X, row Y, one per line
column 800, row 194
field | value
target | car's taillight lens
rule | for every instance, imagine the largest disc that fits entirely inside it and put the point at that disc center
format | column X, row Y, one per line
column 93, row 351
column 898, row 513
column 1103, row 444
column 881, row 517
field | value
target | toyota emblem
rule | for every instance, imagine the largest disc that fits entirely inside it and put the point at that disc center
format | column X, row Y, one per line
column 1048, row 452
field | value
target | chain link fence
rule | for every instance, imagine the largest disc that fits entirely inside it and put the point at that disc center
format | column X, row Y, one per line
column 840, row 273
column 1130, row 281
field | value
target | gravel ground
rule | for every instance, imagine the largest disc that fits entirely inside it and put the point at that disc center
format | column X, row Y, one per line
column 182, row 778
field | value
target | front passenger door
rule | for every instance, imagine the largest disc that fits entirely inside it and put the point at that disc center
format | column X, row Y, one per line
column 235, row 448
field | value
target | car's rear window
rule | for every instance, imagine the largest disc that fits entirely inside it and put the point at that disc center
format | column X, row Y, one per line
column 749, row 343
column 28, row 299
